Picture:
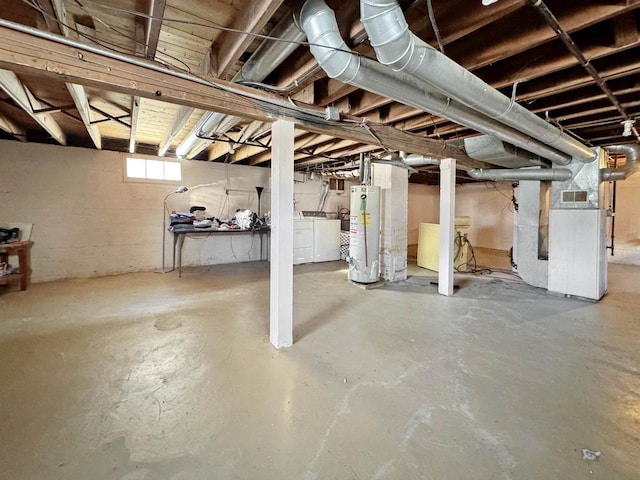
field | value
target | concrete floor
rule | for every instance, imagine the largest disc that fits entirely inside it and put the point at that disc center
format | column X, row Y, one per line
column 147, row 376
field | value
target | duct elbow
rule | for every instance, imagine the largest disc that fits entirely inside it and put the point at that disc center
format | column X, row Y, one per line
column 319, row 23
column 389, row 34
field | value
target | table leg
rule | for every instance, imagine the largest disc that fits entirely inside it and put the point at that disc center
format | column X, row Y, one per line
column 25, row 267
column 175, row 240
column 180, row 244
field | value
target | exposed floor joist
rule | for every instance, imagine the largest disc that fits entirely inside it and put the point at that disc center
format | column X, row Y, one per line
column 20, row 94
column 254, row 17
column 23, row 52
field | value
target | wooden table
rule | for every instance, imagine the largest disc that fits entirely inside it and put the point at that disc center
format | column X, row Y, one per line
column 23, row 251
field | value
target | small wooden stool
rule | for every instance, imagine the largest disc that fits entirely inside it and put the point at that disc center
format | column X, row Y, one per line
column 23, row 251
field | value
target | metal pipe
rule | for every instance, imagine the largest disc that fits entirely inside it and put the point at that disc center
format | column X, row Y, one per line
column 323, row 197
column 552, row 21
column 613, row 218
column 630, row 151
column 416, row 160
column 396, row 46
column 267, row 57
column 608, row 175
column 546, row 174
column 632, row 155
column 319, row 23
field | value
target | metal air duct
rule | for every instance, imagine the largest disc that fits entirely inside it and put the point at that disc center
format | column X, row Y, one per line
column 548, row 174
column 398, row 47
column 267, row 57
column 631, row 153
column 318, row 21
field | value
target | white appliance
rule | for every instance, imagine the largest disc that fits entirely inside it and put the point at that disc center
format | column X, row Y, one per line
column 316, row 240
column 364, row 241
column 326, row 240
column 302, row 241
column 578, row 252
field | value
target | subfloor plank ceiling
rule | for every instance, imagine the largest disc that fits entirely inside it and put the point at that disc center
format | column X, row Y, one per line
column 507, row 43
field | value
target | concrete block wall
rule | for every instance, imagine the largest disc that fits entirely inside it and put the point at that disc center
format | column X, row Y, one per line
column 88, row 221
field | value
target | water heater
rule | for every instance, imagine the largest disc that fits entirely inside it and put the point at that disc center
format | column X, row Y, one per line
column 364, row 238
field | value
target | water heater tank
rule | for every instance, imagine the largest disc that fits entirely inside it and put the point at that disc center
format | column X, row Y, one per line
column 364, row 238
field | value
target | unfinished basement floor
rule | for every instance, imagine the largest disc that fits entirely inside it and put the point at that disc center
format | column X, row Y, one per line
column 148, row 376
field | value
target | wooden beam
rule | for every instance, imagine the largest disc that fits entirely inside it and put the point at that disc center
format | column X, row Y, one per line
column 141, row 48
column 50, row 17
column 26, row 53
column 20, row 94
column 305, row 141
column 12, row 128
column 153, row 26
column 255, row 15
column 135, row 112
column 178, row 122
column 79, row 96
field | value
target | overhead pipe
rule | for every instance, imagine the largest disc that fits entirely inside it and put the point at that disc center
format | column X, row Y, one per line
column 630, row 151
column 608, row 175
column 318, row 21
column 396, row 46
column 564, row 37
column 267, row 57
column 561, row 174
column 632, row 155
column 544, row 174
column 416, row 160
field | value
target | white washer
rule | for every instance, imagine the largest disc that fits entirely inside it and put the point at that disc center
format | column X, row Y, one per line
column 326, row 240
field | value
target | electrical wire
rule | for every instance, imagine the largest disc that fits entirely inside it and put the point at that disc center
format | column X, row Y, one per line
column 216, row 26
column 109, row 45
column 434, row 25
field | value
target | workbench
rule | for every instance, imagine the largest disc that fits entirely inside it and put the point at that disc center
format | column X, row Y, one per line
column 179, row 234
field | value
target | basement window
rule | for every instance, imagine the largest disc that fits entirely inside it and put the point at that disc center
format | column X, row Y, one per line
column 153, row 170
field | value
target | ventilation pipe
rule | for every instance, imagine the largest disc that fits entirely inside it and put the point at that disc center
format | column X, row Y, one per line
column 323, row 197
column 608, row 175
column 396, row 46
column 543, row 174
column 497, row 174
column 630, row 151
column 267, row 57
column 318, row 21
column 415, row 160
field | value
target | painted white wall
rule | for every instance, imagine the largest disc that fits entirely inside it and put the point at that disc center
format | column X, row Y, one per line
column 491, row 211
column 423, row 207
column 627, row 232
column 307, row 195
column 88, row 221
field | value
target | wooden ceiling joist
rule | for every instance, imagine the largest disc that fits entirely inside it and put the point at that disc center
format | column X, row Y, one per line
column 21, row 95
column 23, row 52
column 59, row 22
column 12, row 128
column 231, row 45
column 153, row 25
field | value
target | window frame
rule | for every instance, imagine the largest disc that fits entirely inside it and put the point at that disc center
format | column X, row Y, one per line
column 153, row 181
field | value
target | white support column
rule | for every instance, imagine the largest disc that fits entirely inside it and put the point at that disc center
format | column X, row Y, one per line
column 281, row 294
column 447, row 225
column 394, row 185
